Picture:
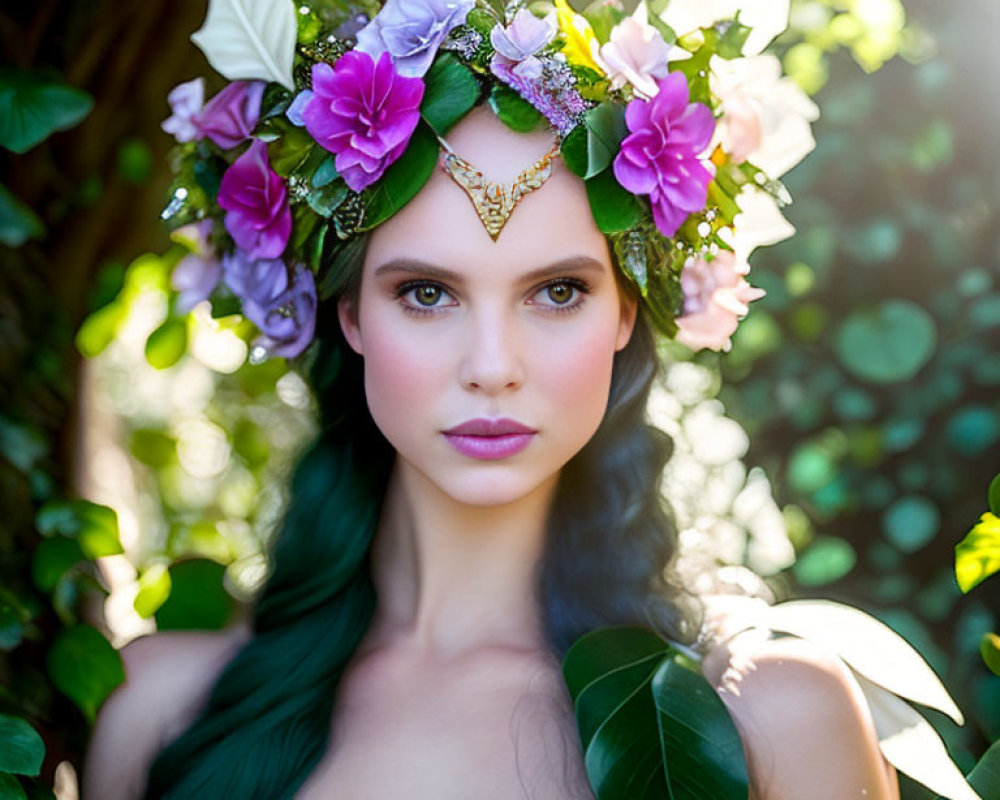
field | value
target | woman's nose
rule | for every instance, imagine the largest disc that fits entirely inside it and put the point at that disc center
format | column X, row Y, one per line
column 492, row 355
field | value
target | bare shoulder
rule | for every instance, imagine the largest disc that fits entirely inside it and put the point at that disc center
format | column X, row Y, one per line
column 805, row 724
column 167, row 676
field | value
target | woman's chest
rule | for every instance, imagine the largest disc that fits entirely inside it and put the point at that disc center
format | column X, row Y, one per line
column 450, row 738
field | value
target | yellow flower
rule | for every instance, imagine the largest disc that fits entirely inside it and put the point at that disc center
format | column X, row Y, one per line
column 581, row 43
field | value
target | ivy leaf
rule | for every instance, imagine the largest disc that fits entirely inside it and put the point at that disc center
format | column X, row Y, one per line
column 85, row 667
column 33, row 105
column 403, row 179
column 614, row 208
column 21, row 748
column 513, row 110
column 450, row 90
column 977, row 556
column 248, row 39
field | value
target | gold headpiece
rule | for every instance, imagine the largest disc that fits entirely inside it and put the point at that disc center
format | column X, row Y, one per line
column 495, row 201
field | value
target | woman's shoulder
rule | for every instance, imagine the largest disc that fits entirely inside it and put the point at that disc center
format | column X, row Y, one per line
column 806, row 727
column 167, row 676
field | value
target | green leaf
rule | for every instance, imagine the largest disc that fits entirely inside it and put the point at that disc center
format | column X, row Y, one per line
column 326, row 173
column 21, row 748
column 574, row 150
column 701, row 745
column 733, row 37
column 98, row 535
column 10, row 788
column 513, row 110
column 989, row 649
column 85, row 667
column 34, row 105
column 154, row 589
column 603, row 16
column 198, row 599
column 889, row 344
column 153, row 447
column 985, row 777
column 605, row 649
column 403, row 179
column 826, row 560
column 167, row 344
column 18, row 223
column 99, row 329
column 994, row 495
column 52, row 558
column 977, row 556
column 606, row 126
column 327, row 199
column 614, row 208
column 450, row 91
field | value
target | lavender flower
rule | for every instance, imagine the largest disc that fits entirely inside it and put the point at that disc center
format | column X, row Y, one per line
column 553, row 92
column 297, row 106
column 660, row 157
column 198, row 273
column 363, row 112
column 186, row 100
column 517, row 43
column 250, row 277
column 230, row 117
column 259, row 218
column 411, row 32
column 287, row 321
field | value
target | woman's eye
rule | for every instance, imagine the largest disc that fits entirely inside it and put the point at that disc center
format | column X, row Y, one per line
column 559, row 293
column 420, row 298
column 427, row 295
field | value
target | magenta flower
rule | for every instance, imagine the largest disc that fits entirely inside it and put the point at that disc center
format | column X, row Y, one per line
column 254, row 196
column 364, row 112
column 230, row 117
column 660, row 156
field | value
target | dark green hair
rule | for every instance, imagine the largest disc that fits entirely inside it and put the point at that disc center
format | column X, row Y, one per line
column 608, row 552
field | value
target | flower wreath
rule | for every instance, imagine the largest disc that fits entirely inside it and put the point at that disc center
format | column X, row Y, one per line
column 335, row 111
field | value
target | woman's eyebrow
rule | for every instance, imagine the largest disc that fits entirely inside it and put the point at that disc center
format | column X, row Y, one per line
column 415, row 265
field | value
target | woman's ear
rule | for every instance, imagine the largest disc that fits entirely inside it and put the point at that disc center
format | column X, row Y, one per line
column 629, row 311
column 347, row 313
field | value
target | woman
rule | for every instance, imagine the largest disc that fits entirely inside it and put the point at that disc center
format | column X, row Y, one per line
column 483, row 492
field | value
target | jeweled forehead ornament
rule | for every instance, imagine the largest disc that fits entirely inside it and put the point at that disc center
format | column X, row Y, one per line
column 495, row 202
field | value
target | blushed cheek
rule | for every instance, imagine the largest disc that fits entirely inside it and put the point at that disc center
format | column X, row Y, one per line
column 579, row 378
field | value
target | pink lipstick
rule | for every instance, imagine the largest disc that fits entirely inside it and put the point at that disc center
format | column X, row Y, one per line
column 489, row 438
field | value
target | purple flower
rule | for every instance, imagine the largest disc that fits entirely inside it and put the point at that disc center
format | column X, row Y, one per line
column 364, row 113
column 660, row 155
column 259, row 218
column 287, row 321
column 297, row 106
column 185, row 100
column 230, row 117
column 250, row 277
column 517, row 44
column 411, row 32
column 198, row 273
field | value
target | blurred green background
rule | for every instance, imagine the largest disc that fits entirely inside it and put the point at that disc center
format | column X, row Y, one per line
column 867, row 378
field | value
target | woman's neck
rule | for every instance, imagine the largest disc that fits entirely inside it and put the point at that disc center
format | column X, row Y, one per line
column 453, row 578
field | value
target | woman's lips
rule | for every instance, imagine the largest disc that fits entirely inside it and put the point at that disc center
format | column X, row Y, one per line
column 489, row 447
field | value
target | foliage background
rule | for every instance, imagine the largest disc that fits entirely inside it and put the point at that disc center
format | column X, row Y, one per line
column 866, row 379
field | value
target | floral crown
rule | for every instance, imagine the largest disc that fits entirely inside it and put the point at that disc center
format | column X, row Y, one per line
column 337, row 110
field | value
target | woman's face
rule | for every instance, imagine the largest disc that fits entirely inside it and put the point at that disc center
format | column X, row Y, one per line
column 455, row 327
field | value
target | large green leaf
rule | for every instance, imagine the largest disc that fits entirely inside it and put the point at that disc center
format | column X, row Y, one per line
column 985, row 777
column 34, row 105
column 450, row 90
column 21, row 748
column 513, row 110
column 614, row 208
column 51, row 559
column 403, row 179
column 606, row 128
column 18, row 223
column 85, row 667
column 701, row 745
column 10, row 789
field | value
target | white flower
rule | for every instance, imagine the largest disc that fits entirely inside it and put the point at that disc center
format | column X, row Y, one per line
column 635, row 54
column 767, row 18
column 765, row 117
column 759, row 224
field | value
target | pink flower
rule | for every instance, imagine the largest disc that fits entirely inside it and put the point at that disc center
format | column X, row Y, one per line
column 716, row 294
column 259, row 218
column 636, row 53
column 230, row 117
column 364, row 112
column 660, row 157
